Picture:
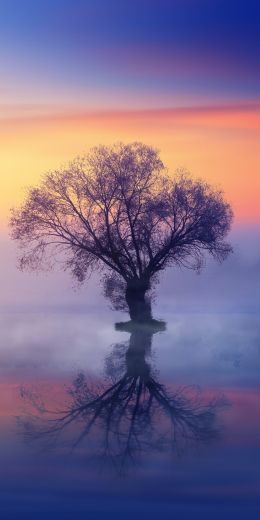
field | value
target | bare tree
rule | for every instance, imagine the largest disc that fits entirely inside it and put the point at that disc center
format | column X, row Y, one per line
column 118, row 210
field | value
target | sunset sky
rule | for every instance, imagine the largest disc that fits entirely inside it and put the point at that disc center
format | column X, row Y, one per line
column 182, row 75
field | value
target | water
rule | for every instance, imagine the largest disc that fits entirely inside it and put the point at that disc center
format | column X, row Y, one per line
column 194, row 451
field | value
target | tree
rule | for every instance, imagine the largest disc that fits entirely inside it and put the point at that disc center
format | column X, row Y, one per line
column 117, row 210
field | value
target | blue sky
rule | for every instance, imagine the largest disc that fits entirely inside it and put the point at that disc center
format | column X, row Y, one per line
column 64, row 50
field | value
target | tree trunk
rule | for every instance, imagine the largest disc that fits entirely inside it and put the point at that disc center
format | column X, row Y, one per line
column 138, row 304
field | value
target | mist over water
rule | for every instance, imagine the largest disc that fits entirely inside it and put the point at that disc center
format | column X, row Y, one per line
column 229, row 287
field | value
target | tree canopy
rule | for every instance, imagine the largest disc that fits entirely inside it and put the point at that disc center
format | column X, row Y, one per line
column 119, row 210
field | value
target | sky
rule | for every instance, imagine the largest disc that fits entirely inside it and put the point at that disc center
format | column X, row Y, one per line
column 180, row 75
column 140, row 53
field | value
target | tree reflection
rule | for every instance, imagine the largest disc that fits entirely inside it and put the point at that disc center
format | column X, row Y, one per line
column 131, row 414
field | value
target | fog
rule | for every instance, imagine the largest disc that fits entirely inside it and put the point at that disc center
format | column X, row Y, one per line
column 231, row 286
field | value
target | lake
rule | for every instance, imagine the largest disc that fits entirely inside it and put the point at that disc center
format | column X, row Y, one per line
column 103, row 420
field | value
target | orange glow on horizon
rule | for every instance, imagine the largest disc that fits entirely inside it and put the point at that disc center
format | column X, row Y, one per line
column 220, row 145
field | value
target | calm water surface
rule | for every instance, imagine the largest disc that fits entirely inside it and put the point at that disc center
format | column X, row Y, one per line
column 105, row 421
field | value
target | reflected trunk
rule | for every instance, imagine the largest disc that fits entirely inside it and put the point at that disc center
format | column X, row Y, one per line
column 139, row 346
